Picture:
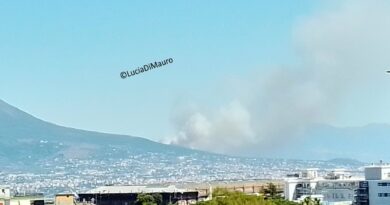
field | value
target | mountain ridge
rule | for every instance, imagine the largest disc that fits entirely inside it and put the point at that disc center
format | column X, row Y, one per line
column 24, row 135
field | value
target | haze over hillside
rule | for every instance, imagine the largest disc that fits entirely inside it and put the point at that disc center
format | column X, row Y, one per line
column 26, row 138
column 324, row 142
column 34, row 153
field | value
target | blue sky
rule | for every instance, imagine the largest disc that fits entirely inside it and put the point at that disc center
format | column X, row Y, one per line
column 60, row 60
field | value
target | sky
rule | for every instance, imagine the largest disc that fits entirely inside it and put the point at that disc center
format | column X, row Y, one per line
column 242, row 72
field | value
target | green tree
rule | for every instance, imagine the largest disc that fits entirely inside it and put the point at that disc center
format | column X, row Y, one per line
column 145, row 199
column 271, row 191
column 309, row 201
column 225, row 197
column 157, row 198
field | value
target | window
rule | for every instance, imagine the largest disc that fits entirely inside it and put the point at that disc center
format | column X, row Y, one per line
column 383, row 183
column 383, row 194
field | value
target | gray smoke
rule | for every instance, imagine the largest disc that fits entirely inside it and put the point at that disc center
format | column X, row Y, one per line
column 342, row 50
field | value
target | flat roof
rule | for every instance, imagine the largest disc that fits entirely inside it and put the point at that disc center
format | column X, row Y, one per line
column 311, row 169
column 28, row 197
column 321, row 179
column 65, row 194
column 136, row 189
column 378, row 166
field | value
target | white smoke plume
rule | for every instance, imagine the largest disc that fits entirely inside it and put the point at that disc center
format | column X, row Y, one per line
column 341, row 49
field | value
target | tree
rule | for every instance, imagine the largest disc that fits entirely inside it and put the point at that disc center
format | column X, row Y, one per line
column 309, row 201
column 271, row 191
column 157, row 198
column 225, row 197
column 145, row 199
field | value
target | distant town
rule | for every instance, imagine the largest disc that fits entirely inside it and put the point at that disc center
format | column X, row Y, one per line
column 63, row 175
column 188, row 183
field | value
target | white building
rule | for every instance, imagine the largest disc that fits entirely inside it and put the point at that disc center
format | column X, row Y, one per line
column 5, row 192
column 335, row 188
column 5, row 195
column 7, row 199
column 375, row 189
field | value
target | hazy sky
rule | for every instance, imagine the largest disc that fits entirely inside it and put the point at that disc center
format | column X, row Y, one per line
column 60, row 61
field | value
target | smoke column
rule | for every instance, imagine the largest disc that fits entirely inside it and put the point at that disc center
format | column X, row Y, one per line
column 341, row 50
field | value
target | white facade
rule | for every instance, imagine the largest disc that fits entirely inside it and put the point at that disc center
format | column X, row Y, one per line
column 375, row 190
column 379, row 192
column 5, row 192
column 5, row 195
column 377, row 172
column 337, row 187
column 7, row 199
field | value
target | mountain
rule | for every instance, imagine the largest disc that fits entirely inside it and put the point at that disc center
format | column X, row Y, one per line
column 348, row 161
column 368, row 143
column 25, row 139
column 38, row 156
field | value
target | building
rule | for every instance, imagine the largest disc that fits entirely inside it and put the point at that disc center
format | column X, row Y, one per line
column 27, row 199
column 127, row 195
column 65, row 199
column 375, row 189
column 335, row 188
column 19, row 199
column 5, row 195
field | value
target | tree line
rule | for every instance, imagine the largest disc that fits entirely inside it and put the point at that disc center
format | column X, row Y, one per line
column 268, row 196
